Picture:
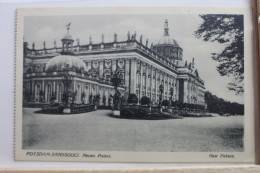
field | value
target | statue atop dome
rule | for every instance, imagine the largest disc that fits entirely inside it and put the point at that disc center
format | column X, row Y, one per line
column 68, row 27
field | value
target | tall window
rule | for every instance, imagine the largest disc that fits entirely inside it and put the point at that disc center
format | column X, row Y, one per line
column 60, row 92
column 107, row 77
column 87, row 93
column 121, row 76
column 154, row 83
column 49, row 92
column 144, row 81
column 37, row 92
column 138, row 80
column 78, row 93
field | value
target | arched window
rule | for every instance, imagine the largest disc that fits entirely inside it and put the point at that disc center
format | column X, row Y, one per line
column 121, row 76
column 49, row 92
column 60, row 92
column 107, row 75
column 37, row 92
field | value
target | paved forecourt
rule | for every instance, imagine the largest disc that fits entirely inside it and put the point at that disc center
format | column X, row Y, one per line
column 99, row 131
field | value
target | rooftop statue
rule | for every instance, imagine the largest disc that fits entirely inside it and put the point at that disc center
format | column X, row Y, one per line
column 68, row 27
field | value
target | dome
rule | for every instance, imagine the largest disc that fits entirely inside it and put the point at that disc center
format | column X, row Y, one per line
column 167, row 40
column 67, row 37
column 60, row 62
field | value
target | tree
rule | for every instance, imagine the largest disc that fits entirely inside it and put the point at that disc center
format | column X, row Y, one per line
column 104, row 100
column 145, row 100
column 67, row 80
column 218, row 105
column 165, row 103
column 227, row 30
column 132, row 98
column 161, row 88
column 116, row 81
column 83, row 96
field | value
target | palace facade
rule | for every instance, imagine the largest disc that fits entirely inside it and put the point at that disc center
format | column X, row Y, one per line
column 142, row 69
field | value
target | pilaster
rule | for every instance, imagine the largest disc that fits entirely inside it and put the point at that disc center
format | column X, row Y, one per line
column 133, row 66
column 33, row 94
column 127, row 76
column 151, row 89
column 177, row 89
column 156, row 85
column 141, row 81
column 147, row 80
column 43, row 89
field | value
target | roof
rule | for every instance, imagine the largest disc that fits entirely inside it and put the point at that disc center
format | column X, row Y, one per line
column 167, row 40
column 61, row 62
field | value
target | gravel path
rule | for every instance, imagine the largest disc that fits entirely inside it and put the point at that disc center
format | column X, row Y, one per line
column 98, row 131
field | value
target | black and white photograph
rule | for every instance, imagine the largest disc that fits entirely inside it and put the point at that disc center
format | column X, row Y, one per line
column 95, row 84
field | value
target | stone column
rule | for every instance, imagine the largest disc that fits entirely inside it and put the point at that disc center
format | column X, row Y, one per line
column 74, row 86
column 45, row 92
column 127, row 77
column 141, row 81
column 89, row 91
column 152, row 83
column 176, row 89
column 33, row 93
column 133, row 79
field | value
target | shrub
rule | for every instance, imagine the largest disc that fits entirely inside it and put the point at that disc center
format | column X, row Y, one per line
column 165, row 103
column 133, row 112
column 54, row 108
column 145, row 100
column 132, row 98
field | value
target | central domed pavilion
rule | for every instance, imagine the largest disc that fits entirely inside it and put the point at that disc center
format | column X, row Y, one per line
column 167, row 46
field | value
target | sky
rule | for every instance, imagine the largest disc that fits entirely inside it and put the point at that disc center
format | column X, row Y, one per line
column 181, row 28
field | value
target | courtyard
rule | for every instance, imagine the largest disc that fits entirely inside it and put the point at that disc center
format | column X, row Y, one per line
column 99, row 131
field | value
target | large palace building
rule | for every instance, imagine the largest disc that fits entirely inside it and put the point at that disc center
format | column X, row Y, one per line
column 143, row 69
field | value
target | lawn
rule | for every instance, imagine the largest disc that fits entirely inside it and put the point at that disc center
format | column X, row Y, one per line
column 99, row 131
